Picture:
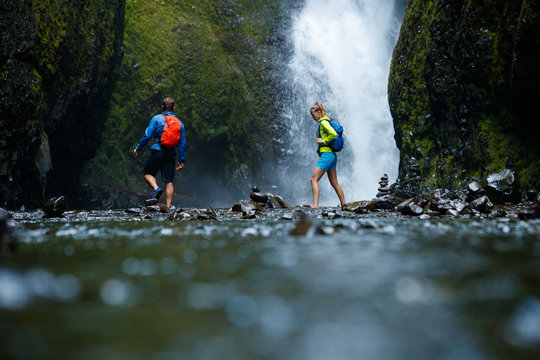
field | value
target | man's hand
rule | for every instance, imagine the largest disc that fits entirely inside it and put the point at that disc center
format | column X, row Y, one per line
column 179, row 166
column 135, row 152
column 319, row 141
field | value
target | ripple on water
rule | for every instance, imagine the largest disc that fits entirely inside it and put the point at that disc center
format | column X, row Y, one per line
column 20, row 289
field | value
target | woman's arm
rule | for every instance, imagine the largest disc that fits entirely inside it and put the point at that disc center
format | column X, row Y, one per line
column 328, row 134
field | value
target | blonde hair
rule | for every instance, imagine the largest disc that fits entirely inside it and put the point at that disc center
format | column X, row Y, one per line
column 317, row 107
column 321, row 107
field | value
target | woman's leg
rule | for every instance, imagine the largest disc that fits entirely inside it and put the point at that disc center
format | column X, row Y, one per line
column 332, row 176
column 315, row 177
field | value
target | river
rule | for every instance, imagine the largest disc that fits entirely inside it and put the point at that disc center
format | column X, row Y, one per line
column 112, row 285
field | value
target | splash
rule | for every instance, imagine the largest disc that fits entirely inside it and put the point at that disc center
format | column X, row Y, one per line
column 341, row 57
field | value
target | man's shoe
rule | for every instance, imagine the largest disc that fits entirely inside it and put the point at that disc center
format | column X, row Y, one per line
column 157, row 193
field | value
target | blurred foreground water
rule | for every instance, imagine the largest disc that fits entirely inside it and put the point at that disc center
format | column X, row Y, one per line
column 108, row 285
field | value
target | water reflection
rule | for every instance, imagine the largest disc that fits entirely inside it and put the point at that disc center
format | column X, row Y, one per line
column 374, row 287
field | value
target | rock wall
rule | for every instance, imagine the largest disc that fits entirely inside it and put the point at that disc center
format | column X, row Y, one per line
column 57, row 69
column 462, row 90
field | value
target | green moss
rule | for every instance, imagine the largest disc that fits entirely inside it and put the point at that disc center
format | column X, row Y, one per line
column 460, row 82
column 209, row 57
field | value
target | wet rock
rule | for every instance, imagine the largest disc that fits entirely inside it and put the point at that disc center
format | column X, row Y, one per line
column 258, row 197
column 385, row 202
column 412, row 209
column 180, row 214
column 152, row 208
column 531, row 195
column 331, row 215
column 302, row 228
column 194, row 214
column 135, row 211
column 282, row 202
column 433, row 213
column 529, row 212
column 55, row 207
column 325, row 230
column 503, row 187
column 499, row 213
column 274, row 202
column 249, row 215
column 404, row 203
column 474, row 187
column 359, row 207
column 474, row 191
column 150, row 202
column 207, row 214
column 482, row 205
column 458, row 205
column 8, row 243
column 453, row 212
column 295, row 215
column 255, row 189
column 246, row 206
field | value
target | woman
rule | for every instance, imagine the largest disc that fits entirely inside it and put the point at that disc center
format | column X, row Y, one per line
column 327, row 158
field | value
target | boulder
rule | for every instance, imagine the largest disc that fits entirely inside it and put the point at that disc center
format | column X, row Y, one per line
column 482, row 204
column 412, row 209
column 503, row 187
column 258, row 197
column 246, row 206
column 55, row 206
column 274, row 202
column 385, row 202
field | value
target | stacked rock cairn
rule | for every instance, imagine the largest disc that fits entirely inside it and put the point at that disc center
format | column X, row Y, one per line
column 384, row 188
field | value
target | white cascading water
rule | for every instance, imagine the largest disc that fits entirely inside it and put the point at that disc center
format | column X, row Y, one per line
column 342, row 53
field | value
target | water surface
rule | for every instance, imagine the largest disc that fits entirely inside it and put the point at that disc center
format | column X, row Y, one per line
column 115, row 286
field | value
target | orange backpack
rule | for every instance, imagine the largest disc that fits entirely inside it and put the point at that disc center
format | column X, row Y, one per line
column 171, row 131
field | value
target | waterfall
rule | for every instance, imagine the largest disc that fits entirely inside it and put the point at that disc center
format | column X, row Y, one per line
column 341, row 57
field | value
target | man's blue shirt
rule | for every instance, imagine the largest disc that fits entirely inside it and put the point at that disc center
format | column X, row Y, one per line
column 155, row 129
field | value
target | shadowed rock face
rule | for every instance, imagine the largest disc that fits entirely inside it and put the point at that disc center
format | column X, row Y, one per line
column 57, row 68
column 461, row 88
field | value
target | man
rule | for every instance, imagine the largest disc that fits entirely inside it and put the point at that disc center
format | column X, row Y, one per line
column 162, row 158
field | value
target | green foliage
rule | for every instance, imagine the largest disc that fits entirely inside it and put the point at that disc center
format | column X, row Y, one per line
column 214, row 59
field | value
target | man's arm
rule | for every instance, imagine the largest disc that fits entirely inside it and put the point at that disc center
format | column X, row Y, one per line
column 182, row 146
column 149, row 132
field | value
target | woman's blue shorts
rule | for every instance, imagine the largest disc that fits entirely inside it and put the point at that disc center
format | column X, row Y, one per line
column 327, row 161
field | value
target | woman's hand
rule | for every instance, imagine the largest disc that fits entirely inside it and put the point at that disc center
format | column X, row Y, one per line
column 319, row 141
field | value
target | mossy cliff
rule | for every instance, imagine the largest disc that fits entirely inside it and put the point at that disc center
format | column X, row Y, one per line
column 218, row 60
column 462, row 90
column 57, row 69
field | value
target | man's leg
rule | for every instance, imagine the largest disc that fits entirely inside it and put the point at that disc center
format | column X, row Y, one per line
column 151, row 180
column 169, row 192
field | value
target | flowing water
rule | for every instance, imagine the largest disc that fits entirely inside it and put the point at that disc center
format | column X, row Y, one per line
column 108, row 285
column 341, row 57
